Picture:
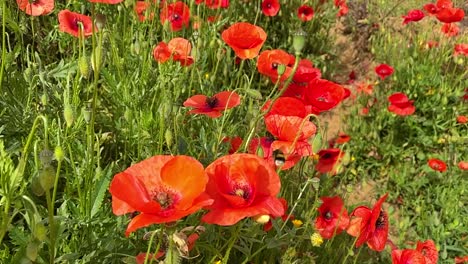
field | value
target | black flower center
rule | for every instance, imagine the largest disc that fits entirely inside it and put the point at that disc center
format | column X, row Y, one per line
column 328, row 215
column 212, row 102
column 164, row 199
column 176, row 17
column 382, row 220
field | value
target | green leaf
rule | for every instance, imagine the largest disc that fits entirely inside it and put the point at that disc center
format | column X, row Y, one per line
column 100, row 191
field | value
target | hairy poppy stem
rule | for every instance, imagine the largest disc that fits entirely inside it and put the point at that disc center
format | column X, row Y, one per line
column 285, row 85
column 2, row 68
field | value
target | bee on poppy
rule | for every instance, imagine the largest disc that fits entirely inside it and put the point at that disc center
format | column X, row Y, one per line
column 279, row 158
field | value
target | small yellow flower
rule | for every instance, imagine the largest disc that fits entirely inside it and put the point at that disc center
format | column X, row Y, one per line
column 441, row 141
column 218, row 262
column 316, row 240
column 297, row 223
column 207, row 76
column 315, row 156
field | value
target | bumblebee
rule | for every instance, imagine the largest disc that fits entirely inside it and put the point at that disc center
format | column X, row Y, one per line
column 279, row 158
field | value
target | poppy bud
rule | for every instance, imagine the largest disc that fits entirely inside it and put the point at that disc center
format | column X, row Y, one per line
column 47, row 177
column 58, row 153
column 68, row 115
column 315, row 183
column 40, row 232
column 87, row 113
column 168, row 137
column 36, row 187
column 261, row 219
column 28, row 75
column 45, row 156
column 299, row 41
column 100, row 21
column 136, row 47
column 83, row 66
column 32, row 250
column 281, row 69
column 44, row 99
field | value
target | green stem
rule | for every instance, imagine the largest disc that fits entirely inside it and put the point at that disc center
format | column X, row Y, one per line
column 2, row 68
column 50, row 208
column 350, row 251
column 233, row 240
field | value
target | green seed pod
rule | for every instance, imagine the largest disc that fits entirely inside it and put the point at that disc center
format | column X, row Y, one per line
column 168, row 137
column 36, row 187
column 46, row 156
column 299, row 41
column 281, row 69
column 128, row 115
column 32, row 250
column 28, row 75
column 40, row 232
column 44, row 99
column 86, row 114
column 68, row 114
column 58, row 153
column 83, row 66
column 47, row 177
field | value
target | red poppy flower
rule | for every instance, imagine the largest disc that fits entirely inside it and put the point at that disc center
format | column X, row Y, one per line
column 328, row 159
column 444, row 4
column 343, row 7
column 463, row 259
column 214, row 4
column 295, row 90
column 364, row 111
column 428, row 250
column 463, row 165
column 140, row 9
column 364, row 87
column 245, row 39
column 461, row 49
column 291, row 139
column 413, row 16
column 450, row 29
column 462, row 119
column 384, row 70
column 73, row 23
column 140, row 258
column 212, row 106
column 333, row 217
column 242, row 185
column 36, row 8
column 437, row 165
column 370, row 225
column 286, row 106
column 269, row 225
column 235, row 143
column 177, row 14
column 305, row 13
column 178, row 48
column 261, row 147
column 432, row 44
column 400, row 104
column 112, row 2
column 431, row 9
column 270, row 7
column 162, row 188
column 341, row 139
column 323, row 95
column 268, row 62
column 290, row 129
column 450, row 15
column 306, row 72
column 407, row 256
